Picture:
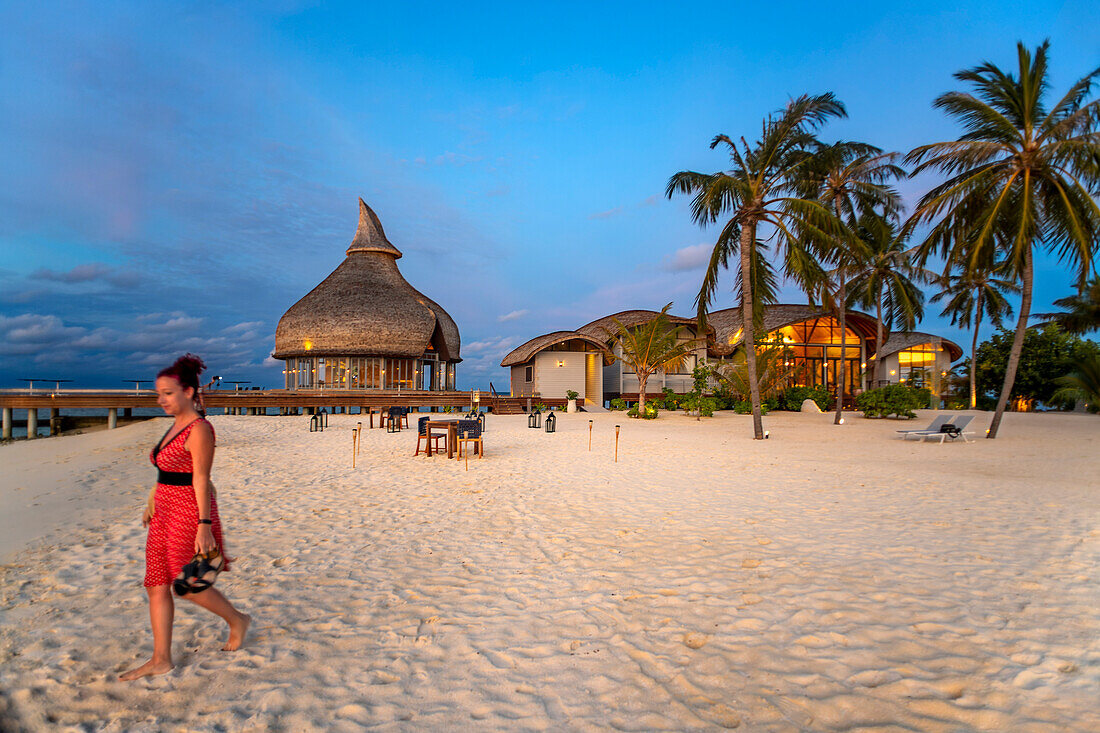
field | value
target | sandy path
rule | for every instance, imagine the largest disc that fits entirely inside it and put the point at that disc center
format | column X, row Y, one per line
column 827, row 579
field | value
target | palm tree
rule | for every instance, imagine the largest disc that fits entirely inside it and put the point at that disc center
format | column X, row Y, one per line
column 762, row 188
column 652, row 347
column 777, row 369
column 850, row 179
column 971, row 296
column 1081, row 385
column 886, row 280
column 1021, row 176
column 1081, row 312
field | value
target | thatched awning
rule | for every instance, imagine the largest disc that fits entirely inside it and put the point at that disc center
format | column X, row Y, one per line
column 903, row 340
column 727, row 323
column 524, row 353
column 367, row 308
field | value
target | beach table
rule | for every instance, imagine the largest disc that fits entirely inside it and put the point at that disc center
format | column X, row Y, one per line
column 451, row 426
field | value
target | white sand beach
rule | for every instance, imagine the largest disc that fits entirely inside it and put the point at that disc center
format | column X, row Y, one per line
column 830, row 578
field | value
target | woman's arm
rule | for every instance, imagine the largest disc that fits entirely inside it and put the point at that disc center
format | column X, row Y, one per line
column 201, row 445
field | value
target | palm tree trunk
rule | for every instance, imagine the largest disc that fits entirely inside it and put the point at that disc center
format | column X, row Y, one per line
column 878, row 338
column 1017, row 347
column 748, row 240
column 974, row 351
column 641, row 391
column 842, row 367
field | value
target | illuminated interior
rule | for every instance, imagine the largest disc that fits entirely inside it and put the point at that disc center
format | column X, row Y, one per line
column 813, row 348
column 917, row 366
column 371, row 372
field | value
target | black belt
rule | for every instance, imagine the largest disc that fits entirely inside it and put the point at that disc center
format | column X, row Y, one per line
column 174, row 478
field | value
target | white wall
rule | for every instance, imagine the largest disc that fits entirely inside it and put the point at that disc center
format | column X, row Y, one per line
column 552, row 380
column 520, row 386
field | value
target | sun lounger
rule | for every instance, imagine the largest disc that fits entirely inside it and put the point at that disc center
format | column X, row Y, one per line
column 935, row 425
column 956, row 429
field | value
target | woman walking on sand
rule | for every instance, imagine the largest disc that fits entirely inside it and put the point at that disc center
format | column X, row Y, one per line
column 183, row 517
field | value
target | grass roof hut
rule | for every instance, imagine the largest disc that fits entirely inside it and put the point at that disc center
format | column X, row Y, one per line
column 365, row 327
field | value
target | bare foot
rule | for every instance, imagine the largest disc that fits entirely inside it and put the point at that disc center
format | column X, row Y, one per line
column 149, row 669
column 236, row 633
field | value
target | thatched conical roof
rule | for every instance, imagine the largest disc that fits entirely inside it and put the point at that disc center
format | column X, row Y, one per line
column 366, row 308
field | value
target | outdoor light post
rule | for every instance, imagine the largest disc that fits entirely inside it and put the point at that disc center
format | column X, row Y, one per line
column 534, row 419
column 551, row 423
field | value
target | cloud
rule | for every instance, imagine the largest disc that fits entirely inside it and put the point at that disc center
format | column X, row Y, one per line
column 89, row 272
column 32, row 333
column 649, row 201
column 606, row 214
column 244, row 326
column 692, row 257
column 500, row 344
column 513, row 316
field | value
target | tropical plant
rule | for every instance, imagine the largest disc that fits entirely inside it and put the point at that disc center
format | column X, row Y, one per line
column 617, row 404
column 1081, row 385
column 762, row 189
column 1021, row 176
column 851, row 179
column 1047, row 354
column 886, row 280
column 651, row 347
column 1081, row 312
column 974, row 294
column 776, row 369
column 792, row 398
column 893, row 399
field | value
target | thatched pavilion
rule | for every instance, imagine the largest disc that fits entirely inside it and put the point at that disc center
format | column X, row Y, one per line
column 365, row 327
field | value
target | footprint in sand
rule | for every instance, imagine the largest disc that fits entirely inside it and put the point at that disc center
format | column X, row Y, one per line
column 750, row 562
column 763, row 541
column 695, row 640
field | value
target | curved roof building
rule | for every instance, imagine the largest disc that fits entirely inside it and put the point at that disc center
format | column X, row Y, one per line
column 584, row 360
column 366, row 327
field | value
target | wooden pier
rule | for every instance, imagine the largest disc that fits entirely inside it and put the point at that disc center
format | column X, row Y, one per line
column 251, row 402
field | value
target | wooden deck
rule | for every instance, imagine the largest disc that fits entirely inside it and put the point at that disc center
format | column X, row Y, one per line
column 268, row 399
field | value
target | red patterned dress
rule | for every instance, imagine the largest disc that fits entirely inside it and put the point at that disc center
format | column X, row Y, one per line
column 171, row 542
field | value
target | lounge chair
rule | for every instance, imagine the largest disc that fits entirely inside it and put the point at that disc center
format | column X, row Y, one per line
column 956, row 429
column 933, row 426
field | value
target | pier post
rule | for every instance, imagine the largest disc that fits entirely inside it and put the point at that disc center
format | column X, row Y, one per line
column 7, row 423
column 127, row 412
column 55, row 421
column 32, row 423
column 112, row 418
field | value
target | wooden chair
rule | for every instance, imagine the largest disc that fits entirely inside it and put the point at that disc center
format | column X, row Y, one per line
column 401, row 415
column 470, row 432
column 424, row 435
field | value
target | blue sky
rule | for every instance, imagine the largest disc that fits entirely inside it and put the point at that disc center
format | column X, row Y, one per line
column 175, row 175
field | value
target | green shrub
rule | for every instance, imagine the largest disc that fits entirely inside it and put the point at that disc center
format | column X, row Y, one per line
column 707, row 406
column 793, row 397
column 650, row 412
column 893, row 399
column 670, row 400
column 744, row 407
column 618, row 404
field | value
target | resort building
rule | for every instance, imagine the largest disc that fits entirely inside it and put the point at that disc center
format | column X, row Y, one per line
column 366, row 328
column 919, row 359
column 550, row 365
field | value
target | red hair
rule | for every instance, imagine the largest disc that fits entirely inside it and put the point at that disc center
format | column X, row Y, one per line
column 186, row 371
